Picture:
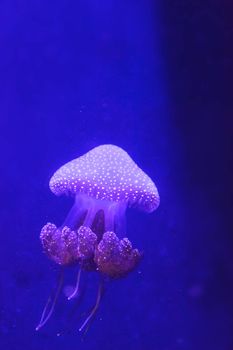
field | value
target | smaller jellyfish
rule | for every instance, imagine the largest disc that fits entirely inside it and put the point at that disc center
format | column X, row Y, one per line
column 103, row 182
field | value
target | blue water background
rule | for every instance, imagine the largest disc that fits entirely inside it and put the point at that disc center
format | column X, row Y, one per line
column 151, row 77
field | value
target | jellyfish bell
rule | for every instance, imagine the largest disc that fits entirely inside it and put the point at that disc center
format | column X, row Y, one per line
column 108, row 173
column 104, row 183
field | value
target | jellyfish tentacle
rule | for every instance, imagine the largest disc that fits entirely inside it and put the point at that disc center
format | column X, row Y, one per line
column 50, row 305
column 115, row 257
column 110, row 213
column 89, row 217
column 75, row 213
column 77, row 286
column 86, row 323
column 120, row 221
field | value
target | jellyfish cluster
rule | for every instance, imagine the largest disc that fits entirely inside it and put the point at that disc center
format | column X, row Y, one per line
column 103, row 182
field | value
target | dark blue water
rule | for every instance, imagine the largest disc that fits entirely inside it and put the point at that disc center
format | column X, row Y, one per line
column 152, row 77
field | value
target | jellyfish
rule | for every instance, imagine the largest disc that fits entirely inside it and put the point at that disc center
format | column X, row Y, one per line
column 103, row 182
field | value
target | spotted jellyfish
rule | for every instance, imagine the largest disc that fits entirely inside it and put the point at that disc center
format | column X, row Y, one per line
column 103, row 182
